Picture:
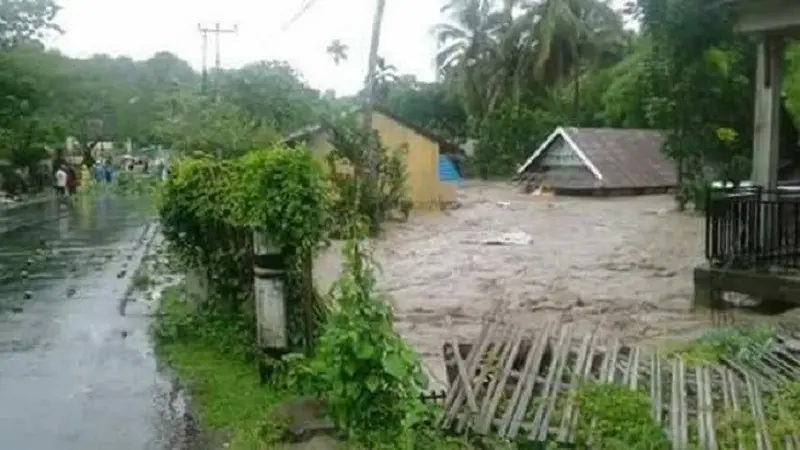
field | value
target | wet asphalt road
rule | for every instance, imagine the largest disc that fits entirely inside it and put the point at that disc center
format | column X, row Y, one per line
column 74, row 372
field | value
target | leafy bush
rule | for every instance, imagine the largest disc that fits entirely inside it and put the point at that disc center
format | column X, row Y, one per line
column 210, row 208
column 368, row 377
column 613, row 416
column 347, row 168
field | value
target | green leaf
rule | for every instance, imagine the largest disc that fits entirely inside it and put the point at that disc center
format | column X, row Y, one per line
column 394, row 365
column 365, row 351
column 373, row 383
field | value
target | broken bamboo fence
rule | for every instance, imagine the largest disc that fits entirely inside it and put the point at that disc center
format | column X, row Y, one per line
column 519, row 383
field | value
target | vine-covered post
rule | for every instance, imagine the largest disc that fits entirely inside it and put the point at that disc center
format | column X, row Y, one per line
column 270, row 296
column 276, row 201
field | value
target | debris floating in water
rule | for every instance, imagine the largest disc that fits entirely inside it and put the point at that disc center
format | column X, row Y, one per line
column 512, row 238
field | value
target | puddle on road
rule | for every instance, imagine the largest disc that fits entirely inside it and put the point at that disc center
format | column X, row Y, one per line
column 623, row 264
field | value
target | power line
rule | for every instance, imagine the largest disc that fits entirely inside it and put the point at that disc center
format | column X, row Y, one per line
column 299, row 14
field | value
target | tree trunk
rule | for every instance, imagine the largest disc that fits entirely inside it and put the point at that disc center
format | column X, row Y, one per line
column 576, row 98
column 372, row 157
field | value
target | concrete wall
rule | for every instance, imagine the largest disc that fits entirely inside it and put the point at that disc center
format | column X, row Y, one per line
column 421, row 159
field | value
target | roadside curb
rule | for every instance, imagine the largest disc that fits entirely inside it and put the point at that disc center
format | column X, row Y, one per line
column 12, row 206
column 139, row 253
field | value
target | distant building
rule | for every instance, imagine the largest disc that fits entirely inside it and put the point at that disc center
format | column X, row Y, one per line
column 601, row 161
column 100, row 150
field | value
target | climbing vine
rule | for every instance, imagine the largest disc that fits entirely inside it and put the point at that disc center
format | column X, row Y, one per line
column 369, row 378
column 209, row 209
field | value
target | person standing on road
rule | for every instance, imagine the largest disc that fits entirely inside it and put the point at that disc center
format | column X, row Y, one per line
column 61, row 181
column 72, row 180
column 109, row 171
column 99, row 172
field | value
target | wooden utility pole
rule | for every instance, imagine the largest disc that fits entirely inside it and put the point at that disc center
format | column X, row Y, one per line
column 373, row 156
column 216, row 31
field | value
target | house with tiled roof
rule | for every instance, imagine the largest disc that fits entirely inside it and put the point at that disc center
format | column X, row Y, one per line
column 601, row 161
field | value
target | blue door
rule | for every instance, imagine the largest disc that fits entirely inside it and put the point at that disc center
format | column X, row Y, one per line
column 447, row 171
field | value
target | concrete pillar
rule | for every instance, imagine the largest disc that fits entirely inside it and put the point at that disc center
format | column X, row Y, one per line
column 271, row 320
column 766, row 143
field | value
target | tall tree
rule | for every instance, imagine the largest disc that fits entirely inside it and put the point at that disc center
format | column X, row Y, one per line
column 25, row 21
column 467, row 48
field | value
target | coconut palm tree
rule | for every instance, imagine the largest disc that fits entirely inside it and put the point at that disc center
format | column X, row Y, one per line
column 337, row 51
column 468, row 46
column 492, row 51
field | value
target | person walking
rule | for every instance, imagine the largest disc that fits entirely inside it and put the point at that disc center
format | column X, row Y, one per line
column 61, row 181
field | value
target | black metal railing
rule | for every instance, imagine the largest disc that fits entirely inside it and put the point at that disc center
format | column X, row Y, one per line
column 753, row 227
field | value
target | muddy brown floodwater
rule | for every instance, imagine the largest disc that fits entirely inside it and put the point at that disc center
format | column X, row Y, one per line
column 623, row 264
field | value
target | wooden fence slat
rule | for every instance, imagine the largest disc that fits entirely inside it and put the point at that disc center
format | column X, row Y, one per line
column 559, row 364
column 486, row 381
column 453, row 403
column 462, row 369
column 497, row 387
column 567, row 420
column 522, row 407
column 526, row 374
column 678, row 414
column 539, row 397
column 656, row 388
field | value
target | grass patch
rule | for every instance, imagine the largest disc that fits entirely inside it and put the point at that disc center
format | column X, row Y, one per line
column 225, row 388
column 228, row 396
column 744, row 344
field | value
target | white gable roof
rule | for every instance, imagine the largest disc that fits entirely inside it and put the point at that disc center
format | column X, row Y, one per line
column 560, row 132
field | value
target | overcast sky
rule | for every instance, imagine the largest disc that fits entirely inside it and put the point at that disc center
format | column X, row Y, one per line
column 139, row 28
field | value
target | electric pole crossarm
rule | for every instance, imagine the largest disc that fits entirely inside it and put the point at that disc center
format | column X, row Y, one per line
column 216, row 30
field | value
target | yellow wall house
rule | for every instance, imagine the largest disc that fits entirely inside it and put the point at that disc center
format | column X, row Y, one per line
column 432, row 177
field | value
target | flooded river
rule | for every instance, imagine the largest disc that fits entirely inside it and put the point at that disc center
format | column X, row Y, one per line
column 624, row 264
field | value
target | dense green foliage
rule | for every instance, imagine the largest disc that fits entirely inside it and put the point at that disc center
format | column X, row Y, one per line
column 510, row 72
column 368, row 377
column 210, row 208
column 535, row 64
column 46, row 97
